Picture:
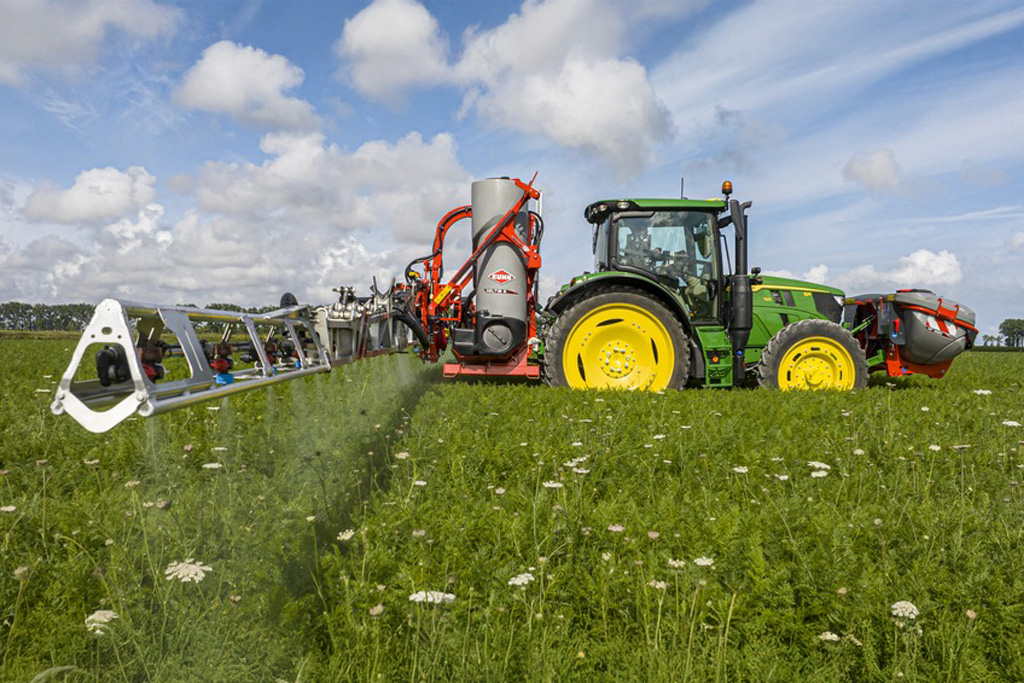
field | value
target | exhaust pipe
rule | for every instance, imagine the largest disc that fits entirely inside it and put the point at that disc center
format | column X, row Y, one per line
column 741, row 312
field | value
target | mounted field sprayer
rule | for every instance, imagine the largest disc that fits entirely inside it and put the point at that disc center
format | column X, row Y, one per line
column 664, row 308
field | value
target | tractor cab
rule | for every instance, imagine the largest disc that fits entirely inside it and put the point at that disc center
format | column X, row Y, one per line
column 670, row 241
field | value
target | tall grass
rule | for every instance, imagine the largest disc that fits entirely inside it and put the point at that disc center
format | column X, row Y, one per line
column 605, row 500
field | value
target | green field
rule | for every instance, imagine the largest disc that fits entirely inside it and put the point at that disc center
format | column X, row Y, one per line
column 565, row 524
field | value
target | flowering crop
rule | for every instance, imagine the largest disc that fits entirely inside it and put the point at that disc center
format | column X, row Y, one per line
column 188, row 571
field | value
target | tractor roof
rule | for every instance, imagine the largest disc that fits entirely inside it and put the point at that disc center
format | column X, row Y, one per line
column 599, row 210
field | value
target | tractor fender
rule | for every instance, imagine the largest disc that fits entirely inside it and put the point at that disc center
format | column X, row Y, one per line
column 581, row 288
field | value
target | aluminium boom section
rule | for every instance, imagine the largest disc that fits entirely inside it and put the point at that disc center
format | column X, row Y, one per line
column 89, row 401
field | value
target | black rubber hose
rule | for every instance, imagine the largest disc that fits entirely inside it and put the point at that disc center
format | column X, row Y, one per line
column 412, row 263
column 539, row 233
column 405, row 316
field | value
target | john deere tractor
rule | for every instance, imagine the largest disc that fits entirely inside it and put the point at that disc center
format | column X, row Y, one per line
column 665, row 308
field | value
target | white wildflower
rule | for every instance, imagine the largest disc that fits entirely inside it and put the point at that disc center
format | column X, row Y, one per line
column 983, row 392
column 606, row 556
column 858, row 451
column 657, row 585
column 552, row 484
column 8, row 508
column 676, row 564
column 819, row 465
column 419, row 482
column 577, row 444
column 818, row 474
column 419, row 533
column 187, row 571
column 935, row 447
column 740, row 469
column 500, row 491
column 580, row 470
column 212, row 466
column 377, row 610
column 521, row 580
column 658, row 436
column 311, row 518
column 91, row 463
column 925, row 409
column 432, row 597
column 132, row 484
column 704, row 561
column 782, row 477
column 402, row 455
column 1010, row 423
column 829, row 636
column 219, row 449
column 98, row 620
column 346, row 535
column 904, row 610
column 616, row 528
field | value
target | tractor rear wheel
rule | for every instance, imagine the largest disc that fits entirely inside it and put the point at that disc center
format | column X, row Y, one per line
column 617, row 338
column 813, row 354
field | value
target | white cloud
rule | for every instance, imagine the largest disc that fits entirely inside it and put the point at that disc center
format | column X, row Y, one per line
column 248, row 85
column 876, row 171
column 921, row 268
column 1017, row 240
column 818, row 273
column 66, row 36
column 402, row 187
column 393, row 46
column 555, row 69
column 126, row 235
column 98, row 194
column 307, row 217
column 570, row 108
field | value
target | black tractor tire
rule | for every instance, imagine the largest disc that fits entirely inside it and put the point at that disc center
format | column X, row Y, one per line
column 596, row 303
column 813, row 354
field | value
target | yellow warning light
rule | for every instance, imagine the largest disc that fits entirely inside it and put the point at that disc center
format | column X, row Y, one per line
column 727, row 188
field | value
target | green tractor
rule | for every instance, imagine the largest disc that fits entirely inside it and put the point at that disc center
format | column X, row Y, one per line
column 665, row 308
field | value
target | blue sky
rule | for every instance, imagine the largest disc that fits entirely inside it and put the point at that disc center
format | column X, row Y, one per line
column 213, row 151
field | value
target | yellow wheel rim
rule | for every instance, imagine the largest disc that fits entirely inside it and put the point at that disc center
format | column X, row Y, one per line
column 618, row 346
column 817, row 363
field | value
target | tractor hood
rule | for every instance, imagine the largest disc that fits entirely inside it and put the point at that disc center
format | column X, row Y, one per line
column 773, row 282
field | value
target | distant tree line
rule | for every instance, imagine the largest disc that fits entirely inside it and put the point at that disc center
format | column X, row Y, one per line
column 1012, row 332
column 1010, row 336
column 15, row 315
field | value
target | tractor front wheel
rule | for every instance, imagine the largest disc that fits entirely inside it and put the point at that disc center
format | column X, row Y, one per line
column 813, row 354
column 617, row 338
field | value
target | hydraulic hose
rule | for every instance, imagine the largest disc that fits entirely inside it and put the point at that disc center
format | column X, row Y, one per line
column 405, row 316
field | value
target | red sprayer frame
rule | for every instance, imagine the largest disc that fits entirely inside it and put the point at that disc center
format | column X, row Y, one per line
column 440, row 307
